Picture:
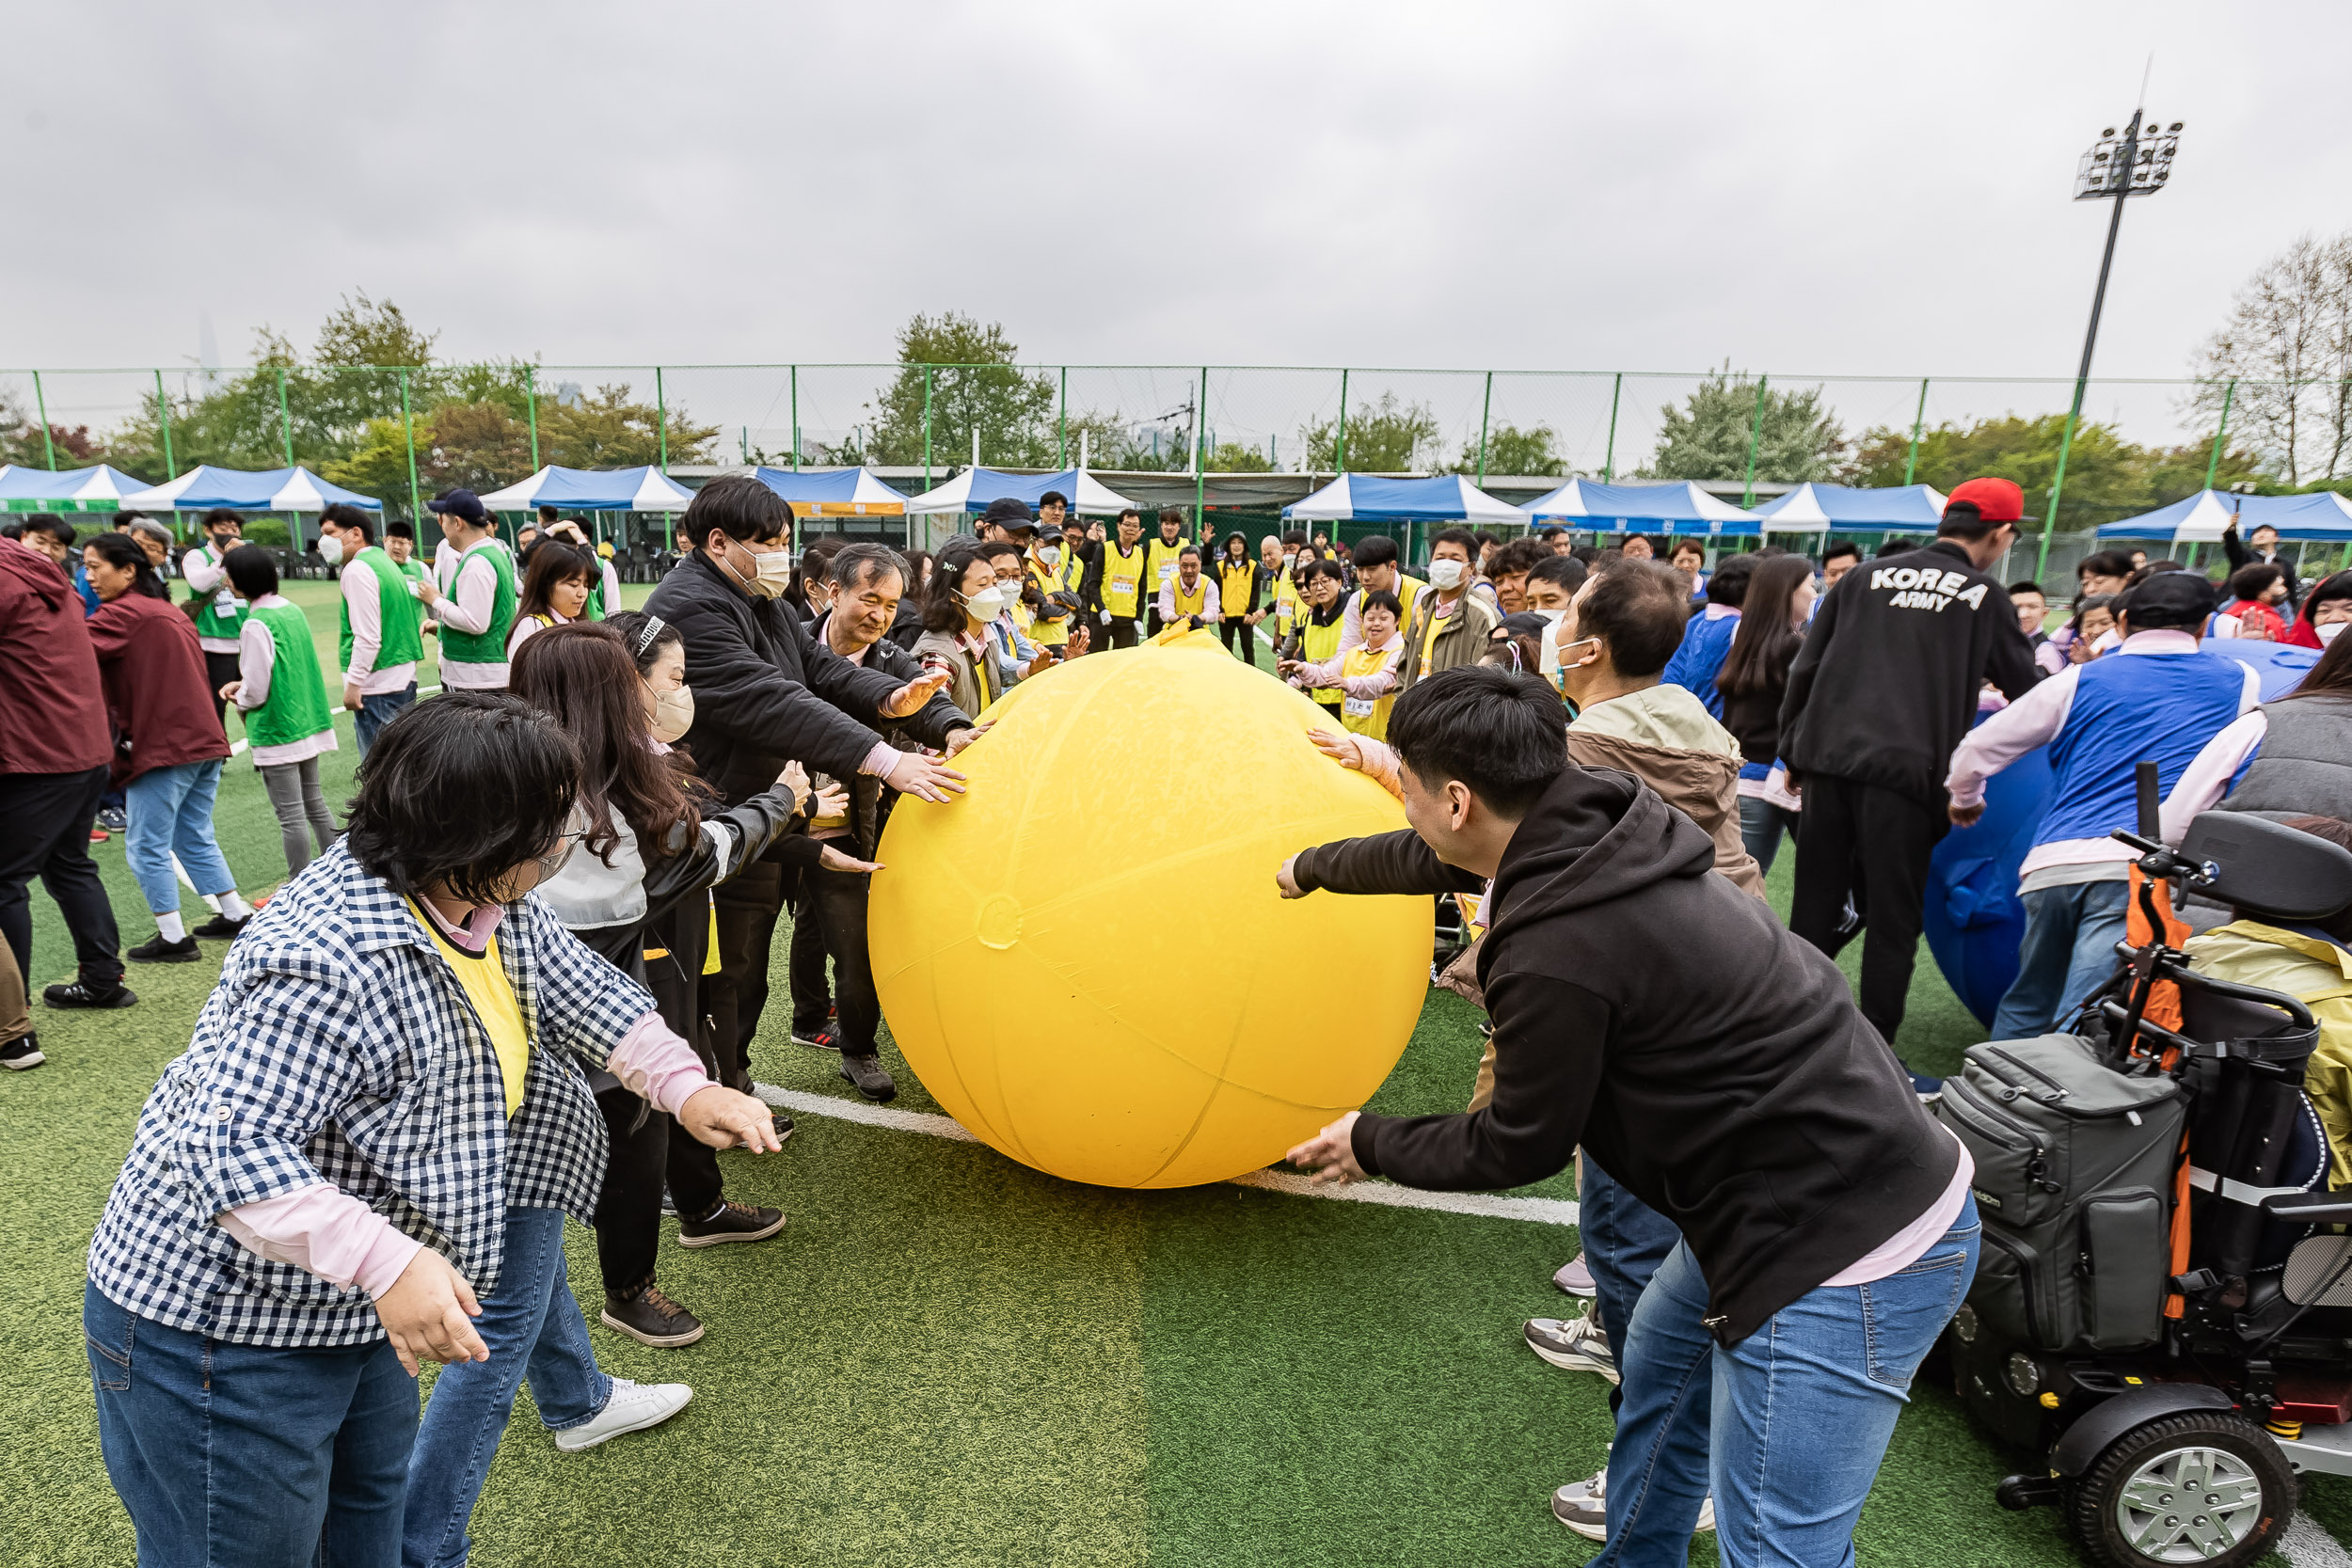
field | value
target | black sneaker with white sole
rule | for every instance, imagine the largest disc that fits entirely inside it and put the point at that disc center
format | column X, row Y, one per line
column 155, row 950
column 871, row 1078
column 731, row 1222
column 649, row 1317
column 85, row 993
column 817, row 1040
column 22, row 1053
column 221, row 925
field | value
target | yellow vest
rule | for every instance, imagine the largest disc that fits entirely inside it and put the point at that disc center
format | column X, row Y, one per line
column 1233, row 586
column 1050, row 633
column 1318, row 645
column 1289, row 608
column 1366, row 715
column 1160, row 558
column 1408, row 594
column 1194, row 602
column 1122, row 579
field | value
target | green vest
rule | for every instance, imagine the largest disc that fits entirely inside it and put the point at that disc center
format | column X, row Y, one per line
column 396, row 616
column 222, row 613
column 410, row 569
column 488, row 648
column 596, row 596
column 296, row 709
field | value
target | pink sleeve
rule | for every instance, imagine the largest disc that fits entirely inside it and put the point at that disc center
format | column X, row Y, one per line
column 1379, row 683
column 1376, row 761
column 2206, row 779
column 652, row 1062
column 324, row 1230
column 880, row 760
column 358, row 588
column 2033, row 720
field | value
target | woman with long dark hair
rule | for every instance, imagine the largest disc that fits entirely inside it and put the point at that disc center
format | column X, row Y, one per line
column 556, row 587
column 1754, row 678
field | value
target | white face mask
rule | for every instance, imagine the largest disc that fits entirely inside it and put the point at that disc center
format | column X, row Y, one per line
column 1289, row 561
column 1551, row 664
column 1446, row 576
column 1050, row 556
column 775, row 574
column 673, row 714
column 986, row 605
column 331, row 548
column 2328, row 632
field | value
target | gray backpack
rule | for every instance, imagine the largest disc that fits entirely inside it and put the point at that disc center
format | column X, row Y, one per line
column 2074, row 1170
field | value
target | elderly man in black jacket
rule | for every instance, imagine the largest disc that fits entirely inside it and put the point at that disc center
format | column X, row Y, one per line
column 1883, row 689
column 1649, row 1010
column 767, row 692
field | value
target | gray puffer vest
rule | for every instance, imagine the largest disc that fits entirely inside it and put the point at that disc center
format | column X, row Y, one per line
column 2304, row 765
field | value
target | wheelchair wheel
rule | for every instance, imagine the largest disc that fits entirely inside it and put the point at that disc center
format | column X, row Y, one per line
column 2206, row 1486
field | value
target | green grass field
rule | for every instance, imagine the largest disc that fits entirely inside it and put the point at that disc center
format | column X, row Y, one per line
column 949, row 1358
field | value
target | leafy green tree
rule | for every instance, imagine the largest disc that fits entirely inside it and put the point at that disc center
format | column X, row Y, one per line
column 608, row 431
column 20, row 442
column 1512, row 451
column 1796, row 437
column 1384, row 438
column 1232, row 457
column 2107, row 477
column 974, row 386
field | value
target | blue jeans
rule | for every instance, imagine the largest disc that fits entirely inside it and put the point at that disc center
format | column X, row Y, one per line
column 1761, row 823
column 1624, row 1240
column 533, row 1329
column 2067, row 952
column 377, row 711
column 171, row 813
column 226, row 1453
column 1787, row 1428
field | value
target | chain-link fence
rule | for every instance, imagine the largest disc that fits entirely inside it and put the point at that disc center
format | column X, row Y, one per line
column 1243, row 440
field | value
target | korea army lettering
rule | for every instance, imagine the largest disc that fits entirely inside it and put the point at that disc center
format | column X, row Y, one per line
column 1926, row 589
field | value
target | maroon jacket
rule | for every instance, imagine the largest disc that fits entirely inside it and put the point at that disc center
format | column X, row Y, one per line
column 52, row 718
column 156, row 690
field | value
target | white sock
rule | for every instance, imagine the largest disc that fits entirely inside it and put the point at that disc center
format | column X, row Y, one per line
column 232, row 904
column 171, row 926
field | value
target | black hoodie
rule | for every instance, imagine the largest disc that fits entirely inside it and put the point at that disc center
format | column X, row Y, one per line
column 1707, row 1060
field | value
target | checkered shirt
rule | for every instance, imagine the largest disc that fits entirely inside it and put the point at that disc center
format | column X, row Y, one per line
column 340, row 1044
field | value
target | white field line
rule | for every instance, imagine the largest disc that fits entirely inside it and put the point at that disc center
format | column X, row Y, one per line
column 2305, row 1544
column 1540, row 1210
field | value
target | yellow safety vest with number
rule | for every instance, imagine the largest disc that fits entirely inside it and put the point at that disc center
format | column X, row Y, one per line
column 1318, row 645
column 1234, row 585
column 1366, row 715
column 1190, row 602
column 1162, row 561
column 1123, row 580
column 1288, row 607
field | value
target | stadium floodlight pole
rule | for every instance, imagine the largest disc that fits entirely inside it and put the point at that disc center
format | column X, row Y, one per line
column 2114, row 169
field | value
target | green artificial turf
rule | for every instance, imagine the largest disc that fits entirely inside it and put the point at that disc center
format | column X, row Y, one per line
column 949, row 1358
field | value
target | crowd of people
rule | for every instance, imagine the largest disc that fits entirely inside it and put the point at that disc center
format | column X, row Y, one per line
column 450, row 1028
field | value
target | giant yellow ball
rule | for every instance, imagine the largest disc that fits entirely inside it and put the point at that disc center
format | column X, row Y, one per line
column 1085, row 959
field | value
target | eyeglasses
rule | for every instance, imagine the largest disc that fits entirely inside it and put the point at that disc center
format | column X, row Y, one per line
column 553, row 860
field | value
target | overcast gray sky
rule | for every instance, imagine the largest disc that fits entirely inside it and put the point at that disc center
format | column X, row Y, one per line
column 1832, row 187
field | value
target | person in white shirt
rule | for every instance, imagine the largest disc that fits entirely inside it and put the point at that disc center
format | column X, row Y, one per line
column 217, row 621
column 382, row 639
column 471, row 594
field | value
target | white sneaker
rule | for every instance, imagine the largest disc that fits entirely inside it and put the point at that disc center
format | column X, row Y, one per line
column 633, row 1407
column 1583, row 1507
column 1575, row 1343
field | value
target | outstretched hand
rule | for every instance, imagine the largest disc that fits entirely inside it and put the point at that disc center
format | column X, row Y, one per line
column 1343, row 749
column 909, row 698
column 1330, row 1155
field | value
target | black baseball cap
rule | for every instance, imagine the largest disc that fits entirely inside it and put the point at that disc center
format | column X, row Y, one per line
column 2167, row 600
column 460, row 503
column 1008, row 512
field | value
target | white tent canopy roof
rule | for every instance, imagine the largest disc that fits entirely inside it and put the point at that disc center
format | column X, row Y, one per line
column 642, row 489
column 1368, row 497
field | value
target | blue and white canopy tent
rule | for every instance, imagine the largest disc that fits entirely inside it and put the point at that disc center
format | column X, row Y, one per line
column 974, row 488
column 97, row 489
column 295, row 489
column 640, row 489
column 833, row 492
column 1368, row 499
column 2200, row 519
column 1678, row 506
column 1820, row 507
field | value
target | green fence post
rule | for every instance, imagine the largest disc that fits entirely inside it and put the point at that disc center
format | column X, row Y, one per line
column 1911, row 464
column 530, row 402
column 1062, row 425
column 1755, row 439
column 926, row 427
column 1485, row 413
column 1201, row 453
column 285, row 426
column 43, row 403
column 796, row 419
column 1609, row 455
column 2058, row 481
column 662, row 418
column 163, row 417
column 409, row 436
column 1339, row 454
column 2213, row 464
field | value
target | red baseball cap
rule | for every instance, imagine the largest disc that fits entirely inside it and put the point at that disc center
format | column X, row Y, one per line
column 1996, row 500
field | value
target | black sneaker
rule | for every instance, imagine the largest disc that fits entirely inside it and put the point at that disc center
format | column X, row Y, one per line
column 221, row 925
column 871, row 1078
column 734, row 1222
column 81, row 994
column 22, row 1053
column 650, row 1318
column 155, row 950
column 817, row 1040
column 783, row 1126
column 114, row 820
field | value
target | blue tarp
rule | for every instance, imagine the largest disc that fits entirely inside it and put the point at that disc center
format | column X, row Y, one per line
column 1818, row 508
column 93, row 489
column 1678, row 506
column 2202, row 517
column 833, row 492
column 1364, row 498
column 295, row 489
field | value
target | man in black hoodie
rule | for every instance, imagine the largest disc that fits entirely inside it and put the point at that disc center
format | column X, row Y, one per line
column 1649, row 1010
column 1884, row 688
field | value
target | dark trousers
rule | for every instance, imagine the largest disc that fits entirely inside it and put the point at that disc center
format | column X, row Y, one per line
column 829, row 921
column 748, row 905
column 219, row 669
column 1870, row 844
column 47, row 835
column 1119, row 633
column 1240, row 637
column 628, row 1209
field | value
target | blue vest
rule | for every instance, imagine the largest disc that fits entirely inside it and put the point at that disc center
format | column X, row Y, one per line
column 2131, row 708
column 1700, row 659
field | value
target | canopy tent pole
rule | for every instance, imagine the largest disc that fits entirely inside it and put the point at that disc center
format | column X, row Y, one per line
column 2213, row 464
column 1340, row 452
column 409, row 436
column 285, row 426
column 1062, row 458
column 1911, row 464
column 163, row 418
column 1755, row 439
column 796, row 419
column 1485, row 413
column 1609, row 455
column 43, row 403
column 927, row 431
column 530, row 402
